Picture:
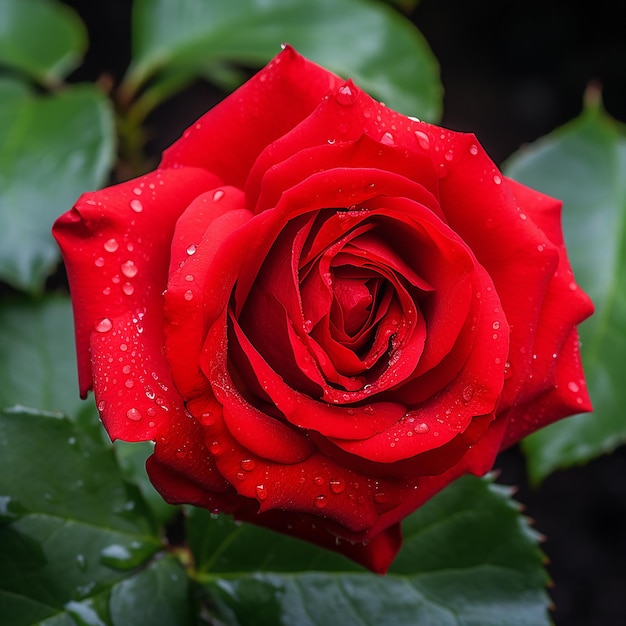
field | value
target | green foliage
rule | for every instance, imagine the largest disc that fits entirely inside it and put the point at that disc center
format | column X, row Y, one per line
column 584, row 164
column 52, row 148
column 469, row 558
column 368, row 42
column 43, row 39
column 71, row 527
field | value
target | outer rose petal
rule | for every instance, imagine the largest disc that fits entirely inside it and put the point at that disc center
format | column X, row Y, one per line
column 115, row 245
column 272, row 102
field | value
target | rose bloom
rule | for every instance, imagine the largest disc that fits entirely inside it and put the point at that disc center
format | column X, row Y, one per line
column 322, row 311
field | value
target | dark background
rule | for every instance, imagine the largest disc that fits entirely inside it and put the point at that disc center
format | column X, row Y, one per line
column 512, row 72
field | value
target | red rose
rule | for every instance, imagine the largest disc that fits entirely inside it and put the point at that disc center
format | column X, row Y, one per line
column 322, row 311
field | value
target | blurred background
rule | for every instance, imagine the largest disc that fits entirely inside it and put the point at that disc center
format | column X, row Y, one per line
column 512, row 72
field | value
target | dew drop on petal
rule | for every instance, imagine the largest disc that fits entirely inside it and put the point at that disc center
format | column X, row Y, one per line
column 215, row 448
column 473, row 149
column 188, row 295
column 422, row 428
column 99, row 262
column 573, row 387
column 104, row 325
column 321, row 502
column 497, row 179
column 423, row 139
column 261, row 492
column 218, row 195
column 337, row 485
column 111, row 245
column 248, row 464
column 387, row 139
column 468, row 393
column 345, row 96
column 136, row 206
column 133, row 414
column 192, row 249
column 129, row 269
column 128, row 289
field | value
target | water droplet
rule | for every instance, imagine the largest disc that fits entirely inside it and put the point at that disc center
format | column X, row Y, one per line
column 422, row 428
column 81, row 562
column 130, row 383
column 99, row 262
column 423, row 139
column 248, row 464
column 126, row 557
column 128, row 289
column 321, row 502
column 319, row 481
column 573, row 387
column 473, row 149
column 261, row 492
column 101, row 405
column 468, row 393
column 449, row 155
column 129, row 269
column 495, row 325
column 218, row 195
column 111, row 245
column 337, row 485
column 380, row 497
column 345, row 95
column 192, row 249
column 104, row 325
column 497, row 179
column 137, row 191
column 133, row 414
column 136, row 206
column 188, row 295
column 215, row 448
column 387, row 139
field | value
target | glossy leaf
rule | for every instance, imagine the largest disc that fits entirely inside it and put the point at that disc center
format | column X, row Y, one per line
column 132, row 459
column 159, row 595
column 382, row 51
column 584, row 164
column 52, row 148
column 45, row 39
column 469, row 558
column 70, row 527
column 37, row 356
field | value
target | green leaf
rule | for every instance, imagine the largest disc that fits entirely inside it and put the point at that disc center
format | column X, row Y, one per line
column 158, row 596
column 37, row 356
column 382, row 51
column 70, row 527
column 132, row 459
column 469, row 558
column 52, row 148
column 584, row 164
column 42, row 38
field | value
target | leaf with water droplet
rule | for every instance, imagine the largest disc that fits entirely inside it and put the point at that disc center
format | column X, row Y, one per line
column 467, row 552
column 61, row 521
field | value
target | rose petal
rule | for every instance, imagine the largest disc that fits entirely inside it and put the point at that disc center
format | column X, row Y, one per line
column 228, row 138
